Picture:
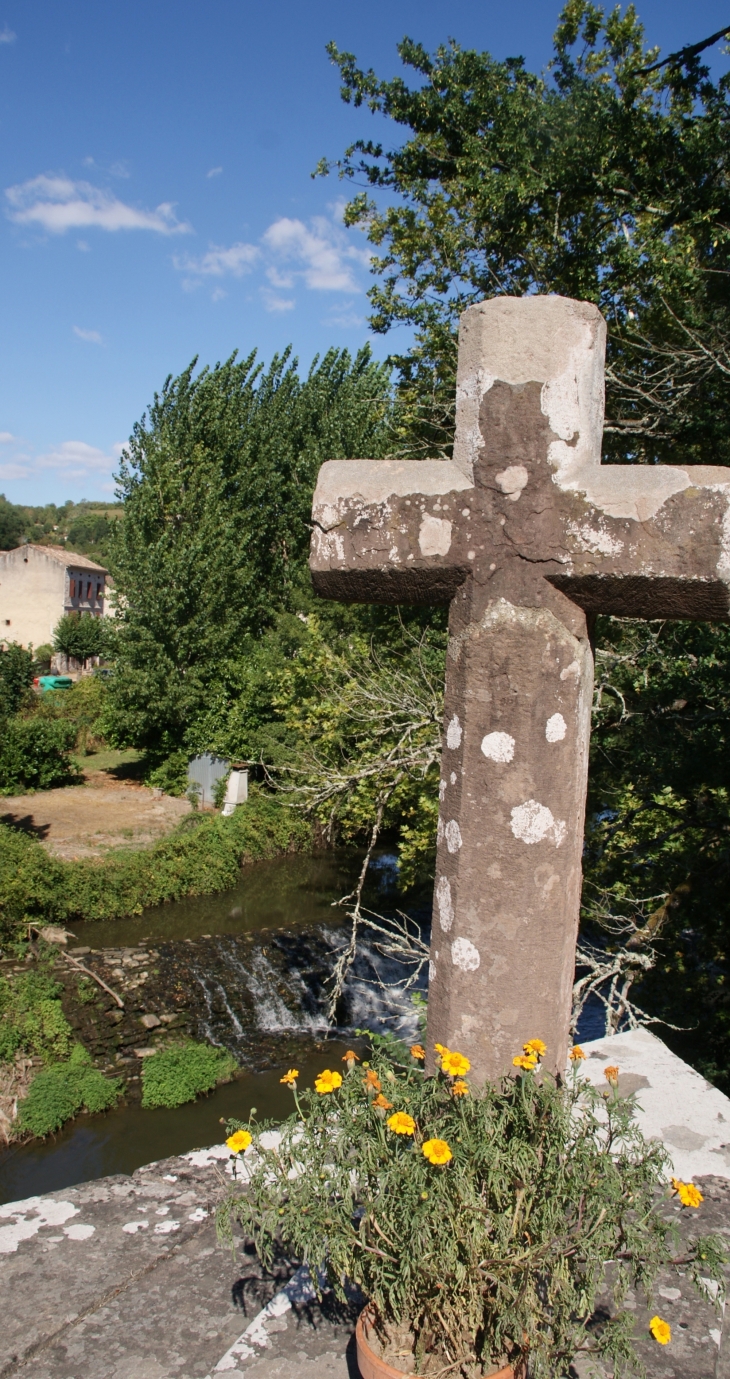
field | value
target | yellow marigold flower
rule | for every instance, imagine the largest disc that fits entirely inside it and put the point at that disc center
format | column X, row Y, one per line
column 523, row 1061
column 290, row 1078
column 455, row 1064
column 535, row 1046
column 382, row 1102
column 239, row 1141
column 327, row 1082
column 441, row 1048
column 418, row 1051
column 401, row 1124
column 611, row 1076
column 436, row 1151
column 460, row 1088
column 371, row 1082
column 576, row 1053
column 661, row 1331
column 688, row 1194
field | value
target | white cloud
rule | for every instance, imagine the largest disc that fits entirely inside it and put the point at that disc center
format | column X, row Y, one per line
column 237, row 260
column 82, row 245
column 77, row 460
column 274, row 303
column 344, row 320
column 322, row 254
column 7, row 35
column 58, row 204
column 214, row 172
column 6, row 437
column 92, row 336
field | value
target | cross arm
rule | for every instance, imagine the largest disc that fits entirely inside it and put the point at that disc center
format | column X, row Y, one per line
column 647, row 542
column 390, row 531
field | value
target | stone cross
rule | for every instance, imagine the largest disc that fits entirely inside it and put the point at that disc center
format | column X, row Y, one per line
column 528, row 536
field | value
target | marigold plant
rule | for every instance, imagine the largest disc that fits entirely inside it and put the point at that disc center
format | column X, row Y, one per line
column 477, row 1226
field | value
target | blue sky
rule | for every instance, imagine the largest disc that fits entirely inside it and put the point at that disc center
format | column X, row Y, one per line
column 158, row 204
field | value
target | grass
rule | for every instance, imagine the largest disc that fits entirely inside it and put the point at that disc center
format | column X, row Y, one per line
column 174, row 1076
column 204, row 854
column 108, row 760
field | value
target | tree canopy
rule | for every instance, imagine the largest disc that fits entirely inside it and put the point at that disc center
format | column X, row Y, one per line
column 605, row 178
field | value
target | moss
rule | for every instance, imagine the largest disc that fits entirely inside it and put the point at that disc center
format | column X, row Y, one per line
column 177, row 1075
column 62, row 1090
column 31, row 1017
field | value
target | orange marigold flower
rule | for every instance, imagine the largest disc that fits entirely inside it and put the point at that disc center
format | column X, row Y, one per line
column 418, row 1051
column 350, row 1058
column 522, row 1060
column 661, row 1331
column 688, row 1194
column 455, row 1064
column 290, row 1078
column 436, row 1151
column 382, row 1102
column 460, row 1088
column 371, row 1082
column 535, row 1046
column 327, row 1082
column 401, row 1124
column 576, row 1053
column 611, row 1076
column 239, row 1141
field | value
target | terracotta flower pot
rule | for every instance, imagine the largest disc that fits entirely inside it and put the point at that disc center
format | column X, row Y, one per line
column 372, row 1367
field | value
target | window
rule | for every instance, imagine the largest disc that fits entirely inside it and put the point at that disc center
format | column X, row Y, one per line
column 88, row 590
column 99, row 591
column 72, row 588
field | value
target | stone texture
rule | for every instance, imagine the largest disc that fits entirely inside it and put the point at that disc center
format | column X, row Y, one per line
column 528, row 536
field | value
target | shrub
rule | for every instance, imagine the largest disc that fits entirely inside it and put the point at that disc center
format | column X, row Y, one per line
column 31, row 1017
column 34, row 755
column 16, row 678
column 82, row 707
column 59, row 1092
column 176, row 1075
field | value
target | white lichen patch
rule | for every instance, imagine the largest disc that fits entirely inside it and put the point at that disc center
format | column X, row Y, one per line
column 131, row 1227
column 571, row 672
column 434, row 536
column 79, row 1231
column 594, row 540
column 534, row 823
column 465, row 955
column 453, row 836
column 442, row 789
column 453, row 734
column 498, row 747
column 511, row 481
column 431, row 970
column 445, row 904
column 166, row 1227
column 556, row 728
column 440, row 830
column 25, row 1219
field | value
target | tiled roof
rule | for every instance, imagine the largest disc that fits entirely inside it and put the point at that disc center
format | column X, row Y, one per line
column 65, row 557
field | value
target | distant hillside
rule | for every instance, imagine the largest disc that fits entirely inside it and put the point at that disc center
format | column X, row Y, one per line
column 83, row 527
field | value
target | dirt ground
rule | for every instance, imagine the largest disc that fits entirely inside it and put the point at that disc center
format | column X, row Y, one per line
column 87, row 820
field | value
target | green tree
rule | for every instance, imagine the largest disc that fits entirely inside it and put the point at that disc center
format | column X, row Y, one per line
column 16, row 678
column 217, row 484
column 79, row 635
column 604, row 179
column 12, row 524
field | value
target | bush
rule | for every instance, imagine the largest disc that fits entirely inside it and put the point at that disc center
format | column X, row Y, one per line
column 82, row 706
column 80, row 635
column 203, row 855
column 34, row 755
column 59, row 1092
column 31, row 1017
column 16, row 678
column 177, row 1075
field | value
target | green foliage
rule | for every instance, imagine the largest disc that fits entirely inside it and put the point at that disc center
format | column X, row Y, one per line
column 80, row 635
column 34, row 755
column 177, row 1075
column 62, row 1090
column 12, row 524
column 217, row 484
column 82, row 707
column 203, row 855
column 171, row 775
column 659, row 818
column 31, row 1017
column 601, row 180
column 500, row 1250
column 16, row 678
